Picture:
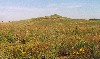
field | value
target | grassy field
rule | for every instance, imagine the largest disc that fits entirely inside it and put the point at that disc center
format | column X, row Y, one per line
column 50, row 39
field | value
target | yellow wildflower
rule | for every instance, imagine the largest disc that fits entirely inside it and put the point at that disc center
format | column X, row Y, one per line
column 74, row 52
column 77, row 53
column 23, row 52
column 81, row 50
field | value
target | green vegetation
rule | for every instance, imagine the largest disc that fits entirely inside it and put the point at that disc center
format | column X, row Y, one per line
column 50, row 39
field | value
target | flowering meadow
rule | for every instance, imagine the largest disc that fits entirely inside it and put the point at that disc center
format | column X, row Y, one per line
column 48, row 38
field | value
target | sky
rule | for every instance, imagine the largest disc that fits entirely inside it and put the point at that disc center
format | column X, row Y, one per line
column 13, row 10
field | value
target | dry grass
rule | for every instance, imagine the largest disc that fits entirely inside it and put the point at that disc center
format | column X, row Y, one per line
column 50, row 39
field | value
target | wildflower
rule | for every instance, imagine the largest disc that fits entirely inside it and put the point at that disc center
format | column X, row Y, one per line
column 81, row 50
column 74, row 52
column 77, row 53
column 23, row 52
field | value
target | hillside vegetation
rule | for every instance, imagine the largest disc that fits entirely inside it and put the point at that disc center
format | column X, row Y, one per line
column 50, row 38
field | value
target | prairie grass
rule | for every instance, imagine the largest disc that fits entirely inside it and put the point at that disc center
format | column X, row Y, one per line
column 50, row 39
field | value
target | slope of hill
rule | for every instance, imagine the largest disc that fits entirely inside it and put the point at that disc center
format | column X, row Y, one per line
column 50, row 38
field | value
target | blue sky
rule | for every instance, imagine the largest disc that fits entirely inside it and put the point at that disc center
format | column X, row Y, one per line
column 12, row 10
